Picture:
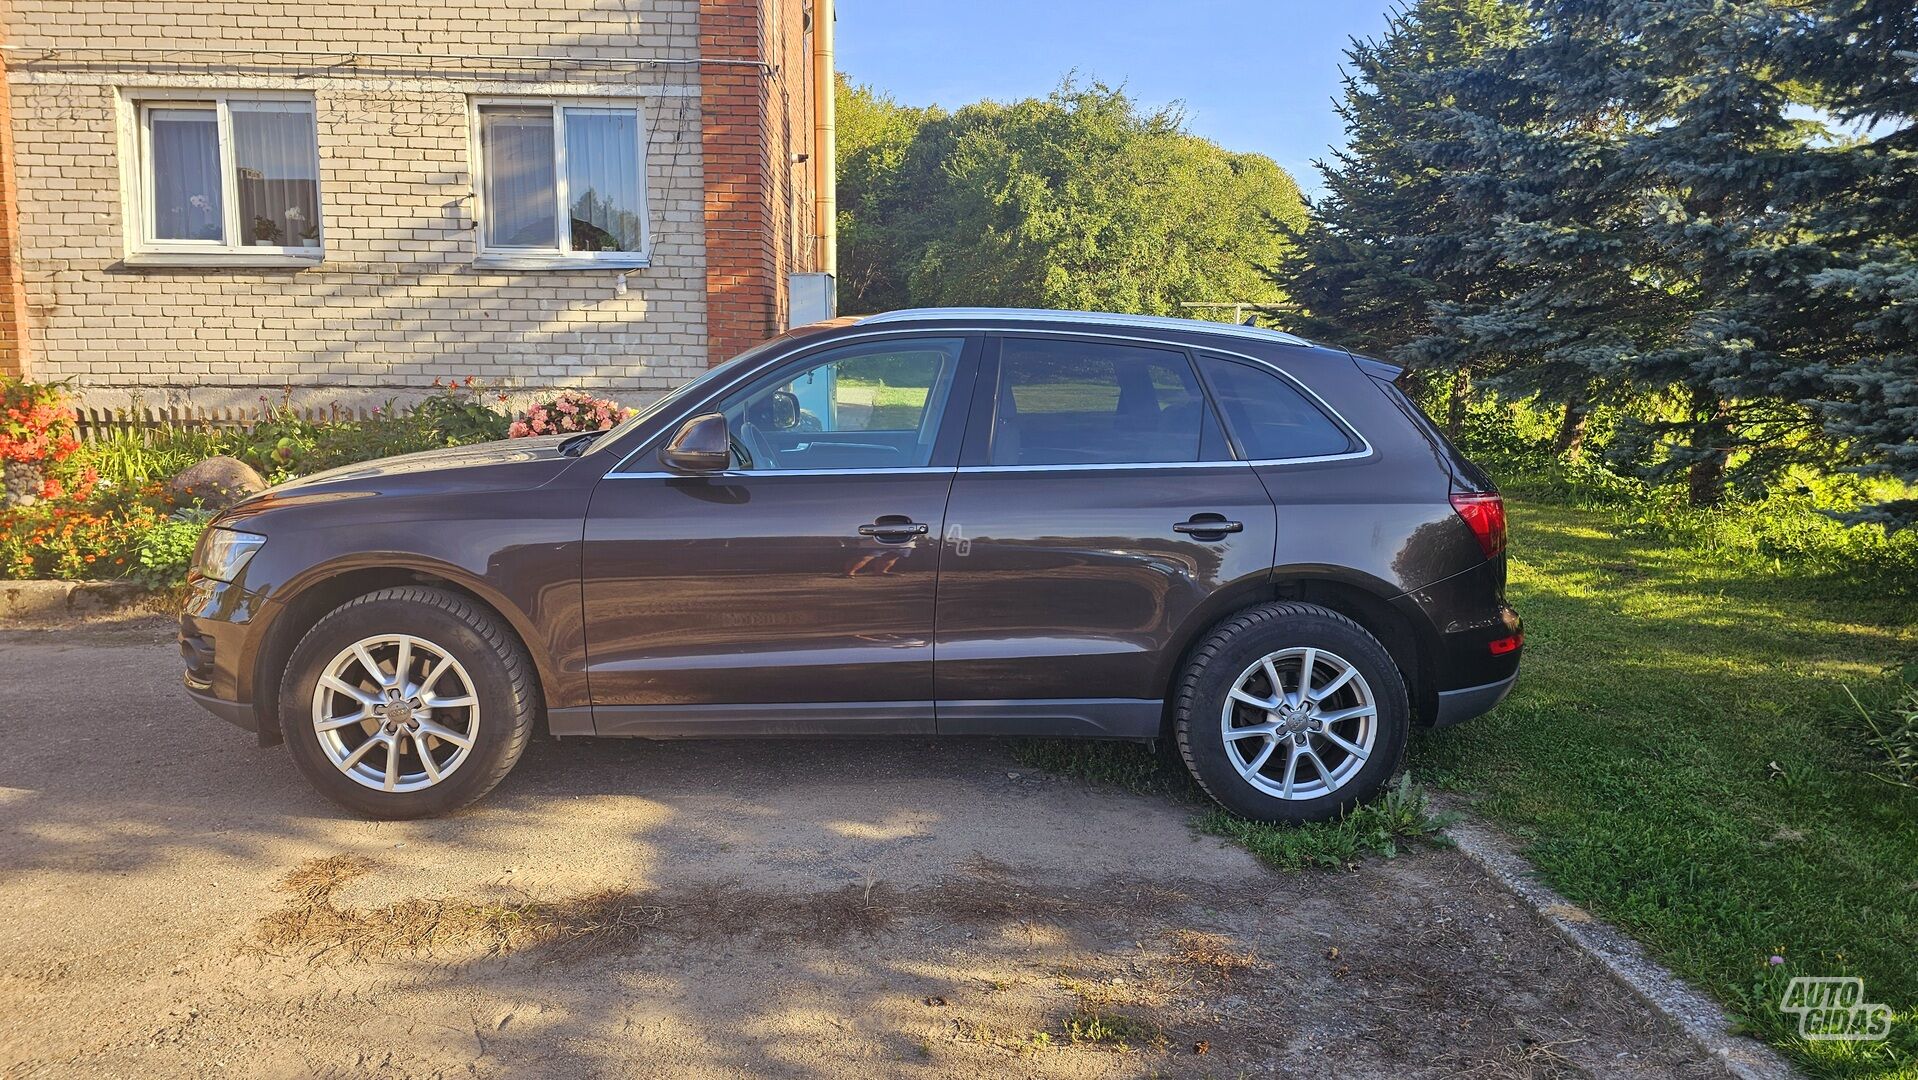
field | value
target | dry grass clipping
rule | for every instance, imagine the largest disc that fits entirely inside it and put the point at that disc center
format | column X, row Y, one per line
column 1210, row 956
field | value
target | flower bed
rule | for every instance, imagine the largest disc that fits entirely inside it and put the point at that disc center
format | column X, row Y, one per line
column 103, row 508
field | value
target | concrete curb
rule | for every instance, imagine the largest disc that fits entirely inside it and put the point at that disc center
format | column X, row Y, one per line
column 42, row 599
column 1699, row 1016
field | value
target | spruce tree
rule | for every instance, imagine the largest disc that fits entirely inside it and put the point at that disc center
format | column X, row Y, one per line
column 1861, row 58
column 1388, row 254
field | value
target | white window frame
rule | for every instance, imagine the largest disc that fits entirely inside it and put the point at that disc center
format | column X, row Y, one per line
column 562, row 257
column 136, row 171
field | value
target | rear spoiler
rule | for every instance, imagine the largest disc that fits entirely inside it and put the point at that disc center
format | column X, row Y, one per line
column 1378, row 369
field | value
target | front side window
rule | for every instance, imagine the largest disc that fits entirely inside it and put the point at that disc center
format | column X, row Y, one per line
column 874, row 406
column 1272, row 418
column 228, row 175
column 562, row 181
column 1098, row 403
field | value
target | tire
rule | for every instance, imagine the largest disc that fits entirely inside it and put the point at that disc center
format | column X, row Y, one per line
column 487, row 695
column 1291, row 635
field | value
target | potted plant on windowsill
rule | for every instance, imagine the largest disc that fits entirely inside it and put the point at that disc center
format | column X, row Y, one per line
column 267, row 232
column 309, row 234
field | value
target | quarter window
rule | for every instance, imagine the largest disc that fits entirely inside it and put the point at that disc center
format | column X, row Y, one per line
column 228, row 175
column 1272, row 418
column 562, row 182
column 1082, row 403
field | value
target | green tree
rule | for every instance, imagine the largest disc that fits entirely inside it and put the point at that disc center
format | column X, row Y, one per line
column 1860, row 57
column 874, row 134
column 1079, row 200
column 1392, row 247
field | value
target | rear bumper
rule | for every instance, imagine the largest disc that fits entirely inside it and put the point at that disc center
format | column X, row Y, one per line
column 1458, row 706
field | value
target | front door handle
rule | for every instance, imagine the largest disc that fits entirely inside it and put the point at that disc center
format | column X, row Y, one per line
column 894, row 530
column 1208, row 526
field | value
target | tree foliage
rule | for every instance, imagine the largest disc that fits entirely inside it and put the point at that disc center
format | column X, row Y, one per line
column 1641, row 199
column 1080, row 200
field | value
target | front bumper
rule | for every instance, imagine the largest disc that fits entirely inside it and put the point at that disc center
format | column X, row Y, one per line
column 1458, row 706
column 217, row 638
column 238, row 713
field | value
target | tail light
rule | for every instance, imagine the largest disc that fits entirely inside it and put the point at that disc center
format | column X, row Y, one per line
column 1484, row 511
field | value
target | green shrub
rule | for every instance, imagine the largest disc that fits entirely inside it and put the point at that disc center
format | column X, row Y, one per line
column 166, row 549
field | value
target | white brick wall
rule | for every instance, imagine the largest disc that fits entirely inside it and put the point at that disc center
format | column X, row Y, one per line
column 397, row 301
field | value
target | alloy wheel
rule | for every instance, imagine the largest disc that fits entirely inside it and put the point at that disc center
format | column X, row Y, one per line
column 1299, row 723
column 395, row 712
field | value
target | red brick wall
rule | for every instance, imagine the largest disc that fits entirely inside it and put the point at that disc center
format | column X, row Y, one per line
column 758, row 200
column 14, row 335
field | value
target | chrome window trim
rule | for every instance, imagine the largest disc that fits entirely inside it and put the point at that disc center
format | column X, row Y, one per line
column 742, row 474
column 1365, row 449
column 1142, row 322
column 1141, row 466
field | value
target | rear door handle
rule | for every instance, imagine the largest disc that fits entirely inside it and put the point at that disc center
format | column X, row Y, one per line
column 894, row 530
column 1206, row 526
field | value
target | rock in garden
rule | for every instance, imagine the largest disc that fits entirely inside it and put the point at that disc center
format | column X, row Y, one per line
column 22, row 484
column 218, row 482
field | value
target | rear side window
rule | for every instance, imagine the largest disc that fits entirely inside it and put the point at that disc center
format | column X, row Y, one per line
column 1272, row 418
column 1097, row 403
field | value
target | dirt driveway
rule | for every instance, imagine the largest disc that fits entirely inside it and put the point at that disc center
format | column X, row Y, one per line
column 180, row 904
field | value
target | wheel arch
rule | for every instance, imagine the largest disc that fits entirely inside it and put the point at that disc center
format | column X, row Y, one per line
column 307, row 600
column 1410, row 639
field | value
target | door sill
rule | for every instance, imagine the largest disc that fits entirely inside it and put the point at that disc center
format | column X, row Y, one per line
column 1058, row 718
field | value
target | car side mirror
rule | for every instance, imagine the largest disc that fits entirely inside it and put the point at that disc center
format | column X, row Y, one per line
column 701, row 445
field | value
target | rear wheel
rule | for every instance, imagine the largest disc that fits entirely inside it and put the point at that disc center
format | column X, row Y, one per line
column 407, row 702
column 1291, row 712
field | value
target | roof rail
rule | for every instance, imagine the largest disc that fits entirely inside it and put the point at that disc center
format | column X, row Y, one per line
column 1154, row 322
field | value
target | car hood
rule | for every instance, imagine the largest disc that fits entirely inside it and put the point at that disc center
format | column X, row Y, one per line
column 511, row 464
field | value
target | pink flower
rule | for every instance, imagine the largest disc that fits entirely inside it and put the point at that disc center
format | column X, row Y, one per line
column 519, row 430
column 606, row 423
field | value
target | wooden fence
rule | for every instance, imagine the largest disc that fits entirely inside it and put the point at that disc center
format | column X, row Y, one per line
column 96, row 423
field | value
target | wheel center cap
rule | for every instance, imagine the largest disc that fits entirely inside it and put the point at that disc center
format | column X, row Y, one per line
column 396, row 713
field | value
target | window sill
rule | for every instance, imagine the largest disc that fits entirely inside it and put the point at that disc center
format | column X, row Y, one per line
column 216, row 259
column 561, row 262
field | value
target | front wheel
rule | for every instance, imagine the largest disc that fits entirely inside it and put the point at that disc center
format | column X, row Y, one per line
column 1291, row 713
column 407, row 702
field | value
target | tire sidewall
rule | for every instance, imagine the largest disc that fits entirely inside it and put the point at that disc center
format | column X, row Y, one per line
column 1241, row 643
column 502, row 727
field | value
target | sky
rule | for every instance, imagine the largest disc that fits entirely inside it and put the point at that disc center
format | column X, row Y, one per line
column 1253, row 75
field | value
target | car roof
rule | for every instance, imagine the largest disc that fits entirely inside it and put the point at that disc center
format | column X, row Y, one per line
column 1092, row 318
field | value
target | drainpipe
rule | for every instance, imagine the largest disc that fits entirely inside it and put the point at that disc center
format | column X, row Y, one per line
column 825, row 150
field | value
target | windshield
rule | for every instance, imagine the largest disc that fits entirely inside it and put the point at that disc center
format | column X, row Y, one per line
column 684, row 392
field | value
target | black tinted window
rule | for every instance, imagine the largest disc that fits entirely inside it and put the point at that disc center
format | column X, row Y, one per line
column 1271, row 417
column 1085, row 403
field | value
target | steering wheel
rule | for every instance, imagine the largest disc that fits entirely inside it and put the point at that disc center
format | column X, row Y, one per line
column 764, row 456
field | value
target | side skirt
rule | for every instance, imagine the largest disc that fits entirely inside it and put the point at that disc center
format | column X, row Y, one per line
column 1097, row 718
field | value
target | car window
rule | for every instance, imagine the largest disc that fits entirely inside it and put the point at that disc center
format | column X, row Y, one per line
column 1271, row 417
column 867, row 406
column 1063, row 402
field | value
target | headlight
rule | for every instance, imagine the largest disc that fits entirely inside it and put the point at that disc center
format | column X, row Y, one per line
column 224, row 553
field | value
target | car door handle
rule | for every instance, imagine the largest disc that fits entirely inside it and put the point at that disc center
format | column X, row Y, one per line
column 894, row 530
column 1205, row 525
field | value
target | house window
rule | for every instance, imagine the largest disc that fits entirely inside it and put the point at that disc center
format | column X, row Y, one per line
column 227, row 176
column 561, row 183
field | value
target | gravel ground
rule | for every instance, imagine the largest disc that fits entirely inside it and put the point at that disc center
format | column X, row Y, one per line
column 183, row 905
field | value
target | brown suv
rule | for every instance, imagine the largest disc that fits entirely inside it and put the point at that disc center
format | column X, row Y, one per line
column 954, row 522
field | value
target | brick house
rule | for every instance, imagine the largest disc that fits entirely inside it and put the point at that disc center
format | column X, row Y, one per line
column 205, row 202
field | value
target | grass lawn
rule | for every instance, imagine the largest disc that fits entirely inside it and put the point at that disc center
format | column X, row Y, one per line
column 1680, row 757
